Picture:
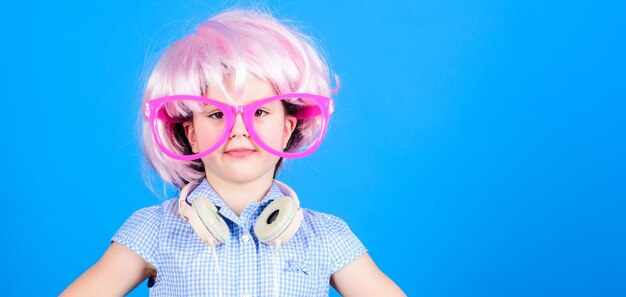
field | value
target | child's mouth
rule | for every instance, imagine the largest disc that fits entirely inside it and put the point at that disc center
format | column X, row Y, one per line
column 239, row 152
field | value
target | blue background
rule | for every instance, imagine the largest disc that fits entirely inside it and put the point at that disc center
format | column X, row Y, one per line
column 477, row 149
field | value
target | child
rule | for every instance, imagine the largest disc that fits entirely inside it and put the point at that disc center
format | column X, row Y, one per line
column 222, row 108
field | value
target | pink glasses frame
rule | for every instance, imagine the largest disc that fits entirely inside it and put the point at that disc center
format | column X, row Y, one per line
column 153, row 111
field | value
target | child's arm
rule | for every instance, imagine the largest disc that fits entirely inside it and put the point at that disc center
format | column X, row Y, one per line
column 361, row 277
column 118, row 272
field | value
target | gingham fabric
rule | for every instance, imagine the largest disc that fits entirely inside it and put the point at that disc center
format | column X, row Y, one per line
column 186, row 267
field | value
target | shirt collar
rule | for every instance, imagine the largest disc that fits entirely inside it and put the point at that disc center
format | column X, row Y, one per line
column 248, row 215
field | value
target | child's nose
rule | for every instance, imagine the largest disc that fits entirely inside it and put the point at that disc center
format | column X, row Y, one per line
column 239, row 128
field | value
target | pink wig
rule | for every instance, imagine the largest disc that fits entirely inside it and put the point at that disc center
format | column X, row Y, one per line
column 239, row 43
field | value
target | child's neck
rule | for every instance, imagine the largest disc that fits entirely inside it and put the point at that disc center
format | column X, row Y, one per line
column 239, row 195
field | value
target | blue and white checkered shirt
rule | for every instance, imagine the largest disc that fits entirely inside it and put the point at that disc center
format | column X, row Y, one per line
column 185, row 264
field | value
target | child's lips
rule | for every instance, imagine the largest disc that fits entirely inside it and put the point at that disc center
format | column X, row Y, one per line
column 239, row 152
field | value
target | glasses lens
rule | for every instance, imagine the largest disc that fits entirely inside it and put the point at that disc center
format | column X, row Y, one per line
column 209, row 124
column 279, row 115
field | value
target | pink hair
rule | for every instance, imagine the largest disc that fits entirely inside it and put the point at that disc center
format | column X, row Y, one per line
column 239, row 43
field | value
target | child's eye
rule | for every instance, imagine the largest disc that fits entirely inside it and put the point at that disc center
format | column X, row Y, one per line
column 216, row 115
column 260, row 113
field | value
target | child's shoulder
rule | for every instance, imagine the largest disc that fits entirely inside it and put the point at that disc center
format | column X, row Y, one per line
column 165, row 210
column 332, row 232
column 324, row 224
column 141, row 232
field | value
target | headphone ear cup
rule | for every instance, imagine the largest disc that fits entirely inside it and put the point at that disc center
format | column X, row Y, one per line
column 279, row 221
column 211, row 219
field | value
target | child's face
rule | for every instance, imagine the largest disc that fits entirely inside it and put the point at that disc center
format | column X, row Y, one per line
column 240, row 159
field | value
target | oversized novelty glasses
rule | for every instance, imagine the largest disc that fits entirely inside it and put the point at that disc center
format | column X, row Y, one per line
column 261, row 119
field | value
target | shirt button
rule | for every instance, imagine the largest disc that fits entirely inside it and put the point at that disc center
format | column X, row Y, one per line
column 245, row 238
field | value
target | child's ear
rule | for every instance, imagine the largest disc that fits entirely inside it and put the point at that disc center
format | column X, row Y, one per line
column 190, row 132
column 290, row 126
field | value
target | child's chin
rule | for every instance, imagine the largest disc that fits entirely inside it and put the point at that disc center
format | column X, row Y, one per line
column 243, row 175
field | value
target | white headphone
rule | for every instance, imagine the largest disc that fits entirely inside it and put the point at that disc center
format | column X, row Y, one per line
column 278, row 222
